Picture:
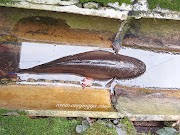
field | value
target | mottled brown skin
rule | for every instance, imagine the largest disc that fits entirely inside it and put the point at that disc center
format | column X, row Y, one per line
column 98, row 64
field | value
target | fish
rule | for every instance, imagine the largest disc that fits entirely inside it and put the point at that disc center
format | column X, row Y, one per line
column 98, row 64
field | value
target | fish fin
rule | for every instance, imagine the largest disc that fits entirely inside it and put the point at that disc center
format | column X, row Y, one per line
column 111, row 84
column 116, row 45
column 123, row 28
column 86, row 82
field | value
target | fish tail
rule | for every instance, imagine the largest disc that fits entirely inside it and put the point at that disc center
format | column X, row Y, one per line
column 23, row 70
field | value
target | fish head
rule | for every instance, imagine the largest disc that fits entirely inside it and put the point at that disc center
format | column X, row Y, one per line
column 139, row 67
column 130, row 67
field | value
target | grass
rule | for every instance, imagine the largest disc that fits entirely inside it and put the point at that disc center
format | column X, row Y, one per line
column 105, row 2
column 17, row 125
column 167, row 4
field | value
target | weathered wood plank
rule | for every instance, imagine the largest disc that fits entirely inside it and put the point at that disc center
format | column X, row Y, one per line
column 53, row 97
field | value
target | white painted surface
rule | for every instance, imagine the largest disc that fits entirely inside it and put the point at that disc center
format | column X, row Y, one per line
column 162, row 68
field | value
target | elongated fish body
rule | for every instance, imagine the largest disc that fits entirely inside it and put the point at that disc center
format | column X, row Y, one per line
column 94, row 64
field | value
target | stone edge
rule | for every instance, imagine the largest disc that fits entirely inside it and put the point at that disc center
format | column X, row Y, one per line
column 95, row 114
column 112, row 11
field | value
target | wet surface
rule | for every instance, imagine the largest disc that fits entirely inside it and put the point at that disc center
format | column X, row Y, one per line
column 161, row 68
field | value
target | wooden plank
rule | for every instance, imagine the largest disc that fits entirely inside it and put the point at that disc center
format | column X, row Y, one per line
column 126, row 91
column 148, row 106
column 54, row 98
column 161, row 104
column 61, row 28
column 43, row 100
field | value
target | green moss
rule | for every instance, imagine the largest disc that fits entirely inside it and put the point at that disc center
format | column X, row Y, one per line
column 4, row 111
column 17, row 125
column 7, row 2
column 100, row 128
column 105, row 2
column 168, row 4
column 128, row 126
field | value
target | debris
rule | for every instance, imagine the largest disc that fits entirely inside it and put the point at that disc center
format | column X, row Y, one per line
column 115, row 121
column 81, row 128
